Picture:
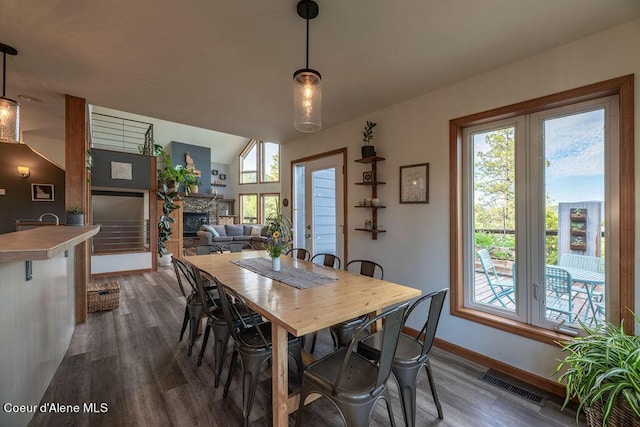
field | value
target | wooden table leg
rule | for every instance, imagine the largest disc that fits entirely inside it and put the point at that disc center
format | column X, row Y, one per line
column 279, row 378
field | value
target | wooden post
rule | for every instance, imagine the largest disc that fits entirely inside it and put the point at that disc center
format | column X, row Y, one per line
column 77, row 191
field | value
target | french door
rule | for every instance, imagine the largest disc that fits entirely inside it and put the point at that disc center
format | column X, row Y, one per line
column 318, row 201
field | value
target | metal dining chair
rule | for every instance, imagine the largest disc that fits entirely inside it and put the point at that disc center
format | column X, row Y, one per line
column 342, row 332
column 252, row 343
column 412, row 354
column 352, row 382
column 193, row 309
column 328, row 260
column 299, row 253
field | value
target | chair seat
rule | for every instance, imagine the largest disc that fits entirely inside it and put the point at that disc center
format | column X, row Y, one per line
column 409, row 350
column 252, row 338
column 359, row 378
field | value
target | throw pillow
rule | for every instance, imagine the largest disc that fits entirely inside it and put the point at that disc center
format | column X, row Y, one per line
column 220, row 230
column 256, row 230
column 234, row 230
column 210, row 229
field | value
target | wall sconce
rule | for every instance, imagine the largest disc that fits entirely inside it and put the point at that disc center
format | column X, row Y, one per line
column 24, row 171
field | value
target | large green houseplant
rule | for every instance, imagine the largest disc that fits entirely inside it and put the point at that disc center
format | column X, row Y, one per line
column 603, row 373
column 169, row 178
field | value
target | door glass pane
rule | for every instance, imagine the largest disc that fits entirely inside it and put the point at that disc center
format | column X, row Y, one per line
column 574, row 147
column 299, row 212
column 494, row 217
column 324, row 211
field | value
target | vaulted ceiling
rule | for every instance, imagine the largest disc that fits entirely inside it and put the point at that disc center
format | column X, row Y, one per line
column 228, row 65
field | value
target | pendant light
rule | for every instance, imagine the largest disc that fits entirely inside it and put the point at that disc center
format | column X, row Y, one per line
column 307, row 83
column 9, row 109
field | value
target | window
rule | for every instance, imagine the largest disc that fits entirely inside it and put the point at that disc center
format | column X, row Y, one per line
column 269, row 204
column 270, row 164
column 262, row 159
column 539, row 198
column 249, row 163
column 249, row 208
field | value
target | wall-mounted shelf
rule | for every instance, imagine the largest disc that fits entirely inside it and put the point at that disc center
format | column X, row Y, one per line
column 218, row 185
column 373, row 161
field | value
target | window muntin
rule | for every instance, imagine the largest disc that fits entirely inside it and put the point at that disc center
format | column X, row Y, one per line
column 270, row 162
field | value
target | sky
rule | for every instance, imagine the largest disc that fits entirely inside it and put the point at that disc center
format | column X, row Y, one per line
column 574, row 150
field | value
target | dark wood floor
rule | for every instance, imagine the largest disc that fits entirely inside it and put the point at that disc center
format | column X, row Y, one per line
column 130, row 359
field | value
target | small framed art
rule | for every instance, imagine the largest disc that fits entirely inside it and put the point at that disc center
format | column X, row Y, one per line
column 42, row 193
column 414, row 183
column 367, row 176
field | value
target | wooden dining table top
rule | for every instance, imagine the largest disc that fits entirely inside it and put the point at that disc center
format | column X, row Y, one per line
column 302, row 311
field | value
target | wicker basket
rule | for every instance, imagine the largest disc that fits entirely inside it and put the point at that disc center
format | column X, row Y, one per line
column 621, row 415
column 103, row 296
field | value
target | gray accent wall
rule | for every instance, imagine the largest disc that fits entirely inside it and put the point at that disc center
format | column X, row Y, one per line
column 17, row 203
column 201, row 159
column 101, row 171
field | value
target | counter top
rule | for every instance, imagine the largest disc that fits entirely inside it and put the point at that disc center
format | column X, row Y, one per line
column 42, row 242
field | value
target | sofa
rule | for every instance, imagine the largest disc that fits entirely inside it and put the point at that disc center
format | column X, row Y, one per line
column 225, row 234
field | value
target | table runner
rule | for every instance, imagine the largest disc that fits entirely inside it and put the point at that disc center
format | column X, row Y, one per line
column 292, row 276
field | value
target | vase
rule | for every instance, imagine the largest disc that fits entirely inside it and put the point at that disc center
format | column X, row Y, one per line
column 275, row 263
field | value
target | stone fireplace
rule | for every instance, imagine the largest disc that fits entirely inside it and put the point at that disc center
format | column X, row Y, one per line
column 197, row 210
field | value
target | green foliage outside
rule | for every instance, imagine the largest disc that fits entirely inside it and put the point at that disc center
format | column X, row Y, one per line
column 494, row 185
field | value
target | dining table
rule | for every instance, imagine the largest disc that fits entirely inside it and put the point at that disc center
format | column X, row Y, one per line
column 343, row 296
column 589, row 279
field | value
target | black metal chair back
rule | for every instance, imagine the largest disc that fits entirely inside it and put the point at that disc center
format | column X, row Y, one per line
column 328, row 260
column 367, row 268
column 299, row 253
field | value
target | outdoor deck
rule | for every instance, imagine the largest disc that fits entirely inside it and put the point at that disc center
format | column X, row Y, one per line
column 580, row 301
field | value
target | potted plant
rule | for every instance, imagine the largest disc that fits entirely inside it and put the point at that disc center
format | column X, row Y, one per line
column 278, row 231
column 75, row 216
column 603, row 373
column 368, row 150
column 167, row 195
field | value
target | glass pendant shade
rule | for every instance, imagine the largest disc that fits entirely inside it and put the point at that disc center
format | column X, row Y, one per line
column 307, row 100
column 9, row 120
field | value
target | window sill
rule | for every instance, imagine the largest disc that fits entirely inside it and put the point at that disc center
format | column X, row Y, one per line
column 514, row 327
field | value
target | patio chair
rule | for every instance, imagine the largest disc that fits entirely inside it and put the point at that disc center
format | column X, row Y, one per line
column 500, row 287
column 559, row 297
column 352, row 382
column 299, row 253
column 412, row 354
column 587, row 263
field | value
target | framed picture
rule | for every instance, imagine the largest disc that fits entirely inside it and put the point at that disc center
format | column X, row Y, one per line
column 367, row 176
column 42, row 193
column 121, row 170
column 214, row 172
column 414, row 183
column 223, row 176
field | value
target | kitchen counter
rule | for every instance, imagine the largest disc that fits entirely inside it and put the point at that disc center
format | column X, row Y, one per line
column 43, row 242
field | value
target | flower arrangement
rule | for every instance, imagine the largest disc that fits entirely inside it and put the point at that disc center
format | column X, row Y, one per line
column 278, row 235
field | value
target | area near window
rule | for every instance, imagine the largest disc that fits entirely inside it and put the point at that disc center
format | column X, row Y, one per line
column 260, row 158
column 540, row 196
column 248, row 208
column 269, row 205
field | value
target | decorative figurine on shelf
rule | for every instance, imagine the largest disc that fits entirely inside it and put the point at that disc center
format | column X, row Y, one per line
column 368, row 150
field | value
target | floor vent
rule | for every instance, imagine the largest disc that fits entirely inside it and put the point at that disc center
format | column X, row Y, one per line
column 513, row 388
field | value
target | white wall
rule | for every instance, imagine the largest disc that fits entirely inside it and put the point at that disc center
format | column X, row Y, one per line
column 415, row 249
column 52, row 149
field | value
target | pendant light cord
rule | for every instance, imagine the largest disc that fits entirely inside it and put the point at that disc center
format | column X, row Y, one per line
column 307, row 39
column 4, row 67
